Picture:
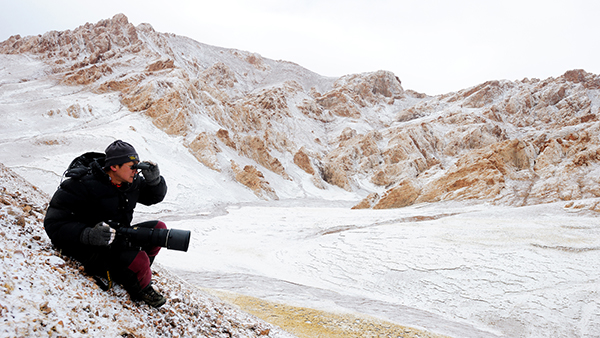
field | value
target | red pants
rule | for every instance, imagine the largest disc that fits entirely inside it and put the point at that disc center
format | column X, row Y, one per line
column 139, row 259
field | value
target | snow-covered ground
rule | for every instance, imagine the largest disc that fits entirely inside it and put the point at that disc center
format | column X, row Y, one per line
column 460, row 270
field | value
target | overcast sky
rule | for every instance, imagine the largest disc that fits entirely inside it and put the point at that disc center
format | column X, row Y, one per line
column 433, row 46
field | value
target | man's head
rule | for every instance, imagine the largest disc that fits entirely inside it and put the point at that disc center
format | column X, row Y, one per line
column 120, row 156
column 120, row 152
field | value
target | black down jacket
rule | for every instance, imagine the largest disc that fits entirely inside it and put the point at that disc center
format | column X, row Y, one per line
column 83, row 202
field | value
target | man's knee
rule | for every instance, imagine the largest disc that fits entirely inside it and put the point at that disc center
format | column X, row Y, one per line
column 140, row 266
column 160, row 225
column 152, row 224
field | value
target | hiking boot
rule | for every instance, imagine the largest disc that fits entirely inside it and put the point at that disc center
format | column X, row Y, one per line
column 152, row 297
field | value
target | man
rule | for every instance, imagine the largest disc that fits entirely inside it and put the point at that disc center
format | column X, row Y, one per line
column 87, row 208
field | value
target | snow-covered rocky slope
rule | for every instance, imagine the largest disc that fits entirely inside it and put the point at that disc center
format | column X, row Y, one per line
column 44, row 294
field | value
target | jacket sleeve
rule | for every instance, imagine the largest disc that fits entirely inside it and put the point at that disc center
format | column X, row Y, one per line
column 61, row 223
column 152, row 194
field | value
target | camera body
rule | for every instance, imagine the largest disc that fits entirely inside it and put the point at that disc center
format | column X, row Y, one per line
column 174, row 239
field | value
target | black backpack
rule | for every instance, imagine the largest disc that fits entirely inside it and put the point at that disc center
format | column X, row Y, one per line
column 81, row 165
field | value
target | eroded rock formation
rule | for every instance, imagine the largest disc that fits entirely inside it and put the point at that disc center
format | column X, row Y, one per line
column 512, row 142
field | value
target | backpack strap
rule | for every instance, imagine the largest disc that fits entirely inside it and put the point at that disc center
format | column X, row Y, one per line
column 81, row 165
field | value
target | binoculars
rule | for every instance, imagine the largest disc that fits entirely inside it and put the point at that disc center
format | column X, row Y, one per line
column 141, row 165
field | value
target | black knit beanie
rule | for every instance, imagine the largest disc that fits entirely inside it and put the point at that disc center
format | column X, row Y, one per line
column 120, row 152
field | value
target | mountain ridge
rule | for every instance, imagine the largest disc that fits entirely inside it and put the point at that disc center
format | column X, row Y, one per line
column 262, row 122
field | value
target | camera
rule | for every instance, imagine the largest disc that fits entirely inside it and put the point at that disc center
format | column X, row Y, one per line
column 174, row 239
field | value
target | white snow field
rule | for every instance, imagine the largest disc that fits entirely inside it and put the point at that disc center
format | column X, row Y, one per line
column 460, row 270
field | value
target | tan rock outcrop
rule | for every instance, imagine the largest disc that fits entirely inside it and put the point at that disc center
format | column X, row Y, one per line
column 160, row 65
column 255, row 148
column 223, row 135
column 87, row 44
column 404, row 194
column 337, row 176
column 125, row 86
column 589, row 81
column 339, row 104
column 315, row 111
column 302, row 160
column 218, row 75
column 479, row 96
column 353, row 92
column 255, row 180
column 205, row 149
column 368, row 202
column 170, row 114
column 480, row 174
column 86, row 76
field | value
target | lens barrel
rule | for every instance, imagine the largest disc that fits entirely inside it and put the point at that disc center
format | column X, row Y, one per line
column 177, row 239
column 174, row 239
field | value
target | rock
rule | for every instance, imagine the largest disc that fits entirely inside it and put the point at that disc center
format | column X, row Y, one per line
column 337, row 176
column 589, row 81
column 86, row 76
column 87, row 44
column 205, row 149
column 404, row 194
column 218, row 75
column 480, row 174
column 353, row 92
column 302, row 160
column 169, row 114
column 368, row 202
column 339, row 104
column 255, row 180
column 223, row 135
column 160, row 65
column 255, row 148
column 479, row 96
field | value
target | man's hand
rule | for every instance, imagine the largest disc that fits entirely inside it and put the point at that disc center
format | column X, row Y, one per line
column 99, row 235
column 152, row 174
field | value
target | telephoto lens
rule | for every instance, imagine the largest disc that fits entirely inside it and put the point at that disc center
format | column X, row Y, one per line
column 174, row 239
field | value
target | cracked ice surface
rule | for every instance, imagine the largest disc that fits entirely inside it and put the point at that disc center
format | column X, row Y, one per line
column 460, row 270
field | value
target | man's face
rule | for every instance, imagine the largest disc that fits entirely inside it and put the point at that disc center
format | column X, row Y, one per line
column 123, row 173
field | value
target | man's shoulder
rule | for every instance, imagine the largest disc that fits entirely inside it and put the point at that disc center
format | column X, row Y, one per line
column 86, row 182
